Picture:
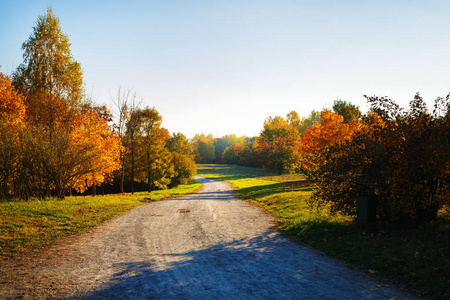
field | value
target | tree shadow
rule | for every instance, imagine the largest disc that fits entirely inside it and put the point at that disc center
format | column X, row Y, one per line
column 259, row 191
column 216, row 196
column 267, row 266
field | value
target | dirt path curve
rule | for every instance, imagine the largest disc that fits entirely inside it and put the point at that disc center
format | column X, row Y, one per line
column 207, row 245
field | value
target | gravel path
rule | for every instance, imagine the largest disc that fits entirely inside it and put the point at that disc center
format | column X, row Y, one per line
column 208, row 245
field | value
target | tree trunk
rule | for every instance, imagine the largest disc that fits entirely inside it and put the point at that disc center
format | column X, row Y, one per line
column 94, row 190
column 132, row 164
column 148, row 173
column 122, row 175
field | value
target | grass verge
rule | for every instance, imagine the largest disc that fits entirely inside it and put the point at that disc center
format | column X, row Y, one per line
column 31, row 225
column 415, row 257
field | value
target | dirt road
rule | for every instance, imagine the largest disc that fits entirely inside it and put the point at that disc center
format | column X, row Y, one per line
column 207, row 245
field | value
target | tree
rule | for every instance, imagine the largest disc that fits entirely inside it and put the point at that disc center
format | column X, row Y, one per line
column 202, row 136
column 204, row 151
column 51, row 81
column 277, row 147
column 12, row 113
column 305, row 123
column 238, row 154
column 100, row 151
column 153, row 158
column 347, row 110
column 122, row 124
column 220, row 144
column 49, row 77
column 178, row 143
column 330, row 131
column 182, row 159
column 66, row 138
column 293, row 119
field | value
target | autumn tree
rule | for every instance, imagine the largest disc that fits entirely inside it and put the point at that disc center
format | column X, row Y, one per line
column 178, row 143
column 277, row 147
column 49, row 77
column 63, row 142
column 330, row 130
column 100, row 150
column 293, row 119
column 400, row 157
column 12, row 113
column 182, row 158
column 153, row 160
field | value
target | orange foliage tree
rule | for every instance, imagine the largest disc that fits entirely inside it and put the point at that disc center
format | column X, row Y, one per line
column 12, row 113
column 62, row 144
column 101, row 147
column 329, row 131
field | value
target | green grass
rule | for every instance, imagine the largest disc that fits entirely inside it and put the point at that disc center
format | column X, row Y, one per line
column 31, row 225
column 415, row 257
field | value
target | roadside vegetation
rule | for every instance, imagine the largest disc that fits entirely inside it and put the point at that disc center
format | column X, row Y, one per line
column 417, row 257
column 28, row 226
column 55, row 141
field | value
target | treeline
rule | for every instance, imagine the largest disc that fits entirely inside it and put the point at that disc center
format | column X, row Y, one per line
column 53, row 139
column 228, row 149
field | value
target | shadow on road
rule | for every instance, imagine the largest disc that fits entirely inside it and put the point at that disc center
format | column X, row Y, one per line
column 264, row 267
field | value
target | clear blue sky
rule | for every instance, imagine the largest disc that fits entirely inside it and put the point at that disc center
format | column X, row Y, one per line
column 222, row 67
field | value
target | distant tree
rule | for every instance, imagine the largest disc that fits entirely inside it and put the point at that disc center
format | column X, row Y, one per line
column 306, row 123
column 204, row 151
column 182, row 158
column 293, row 119
column 202, row 136
column 347, row 110
column 220, row 144
column 238, row 154
column 277, row 147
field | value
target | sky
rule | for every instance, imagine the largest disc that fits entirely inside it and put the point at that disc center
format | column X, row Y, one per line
column 223, row 67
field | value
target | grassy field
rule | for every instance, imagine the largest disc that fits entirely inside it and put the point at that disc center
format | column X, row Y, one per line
column 418, row 258
column 31, row 225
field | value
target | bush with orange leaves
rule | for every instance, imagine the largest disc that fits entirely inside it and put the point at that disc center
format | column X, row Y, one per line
column 401, row 157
